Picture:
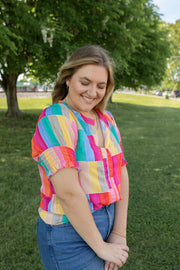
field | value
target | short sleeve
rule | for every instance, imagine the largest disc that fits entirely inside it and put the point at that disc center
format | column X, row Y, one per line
column 124, row 162
column 54, row 143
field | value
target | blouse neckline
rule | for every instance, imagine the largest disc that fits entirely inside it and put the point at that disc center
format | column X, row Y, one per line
column 86, row 119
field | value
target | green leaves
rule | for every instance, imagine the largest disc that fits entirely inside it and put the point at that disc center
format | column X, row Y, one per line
column 172, row 75
column 46, row 32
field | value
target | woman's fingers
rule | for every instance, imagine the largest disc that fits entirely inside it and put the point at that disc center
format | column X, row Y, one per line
column 125, row 248
column 107, row 264
column 111, row 266
column 124, row 257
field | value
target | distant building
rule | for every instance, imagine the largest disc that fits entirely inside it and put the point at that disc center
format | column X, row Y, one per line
column 26, row 86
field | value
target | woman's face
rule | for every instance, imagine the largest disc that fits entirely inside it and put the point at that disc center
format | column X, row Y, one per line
column 87, row 88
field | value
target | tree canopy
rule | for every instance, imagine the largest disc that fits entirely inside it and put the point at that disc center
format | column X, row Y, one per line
column 172, row 78
column 39, row 35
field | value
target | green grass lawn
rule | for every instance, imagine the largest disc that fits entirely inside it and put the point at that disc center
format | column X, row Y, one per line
column 150, row 130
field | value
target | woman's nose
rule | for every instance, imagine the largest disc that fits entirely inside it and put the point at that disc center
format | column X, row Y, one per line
column 92, row 91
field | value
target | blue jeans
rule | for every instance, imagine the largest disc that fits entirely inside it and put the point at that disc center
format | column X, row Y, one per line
column 62, row 248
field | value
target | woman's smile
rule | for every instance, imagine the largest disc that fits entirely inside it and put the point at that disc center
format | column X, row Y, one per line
column 88, row 99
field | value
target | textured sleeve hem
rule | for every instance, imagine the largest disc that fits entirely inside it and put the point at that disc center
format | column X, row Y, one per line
column 55, row 158
column 124, row 162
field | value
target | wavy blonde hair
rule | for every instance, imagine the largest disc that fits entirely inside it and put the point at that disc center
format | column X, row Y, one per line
column 92, row 54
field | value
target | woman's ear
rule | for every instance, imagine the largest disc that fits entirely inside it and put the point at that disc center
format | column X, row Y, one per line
column 67, row 83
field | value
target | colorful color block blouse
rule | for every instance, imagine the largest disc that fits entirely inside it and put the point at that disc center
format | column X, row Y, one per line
column 64, row 138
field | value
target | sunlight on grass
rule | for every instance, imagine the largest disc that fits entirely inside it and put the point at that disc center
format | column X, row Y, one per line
column 34, row 103
column 146, row 100
column 3, row 103
column 28, row 103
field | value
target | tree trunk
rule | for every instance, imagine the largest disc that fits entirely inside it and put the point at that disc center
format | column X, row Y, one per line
column 11, row 95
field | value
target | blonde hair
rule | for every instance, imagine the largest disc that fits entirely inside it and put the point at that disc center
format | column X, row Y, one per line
column 92, row 54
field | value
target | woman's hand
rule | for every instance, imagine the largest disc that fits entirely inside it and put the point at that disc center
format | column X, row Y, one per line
column 115, row 253
column 121, row 241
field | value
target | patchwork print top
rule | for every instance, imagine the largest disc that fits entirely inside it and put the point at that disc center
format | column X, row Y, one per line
column 64, row 138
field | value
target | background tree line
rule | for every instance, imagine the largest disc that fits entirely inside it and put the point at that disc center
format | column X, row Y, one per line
column 172, row 75
column 36, row 36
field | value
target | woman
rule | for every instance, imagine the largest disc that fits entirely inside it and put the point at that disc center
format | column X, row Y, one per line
column 82, row 216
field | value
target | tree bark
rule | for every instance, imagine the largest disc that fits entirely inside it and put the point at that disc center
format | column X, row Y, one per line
column 9, row 86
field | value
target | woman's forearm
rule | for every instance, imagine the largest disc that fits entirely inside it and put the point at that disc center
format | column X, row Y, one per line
column 76, row 207
column 121, row 207
column 78, row 213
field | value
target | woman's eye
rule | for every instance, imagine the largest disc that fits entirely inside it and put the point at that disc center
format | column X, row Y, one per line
column 84, row 83
column 101, row 87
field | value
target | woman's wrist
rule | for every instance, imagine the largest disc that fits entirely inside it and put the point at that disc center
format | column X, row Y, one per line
column 99, row 248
